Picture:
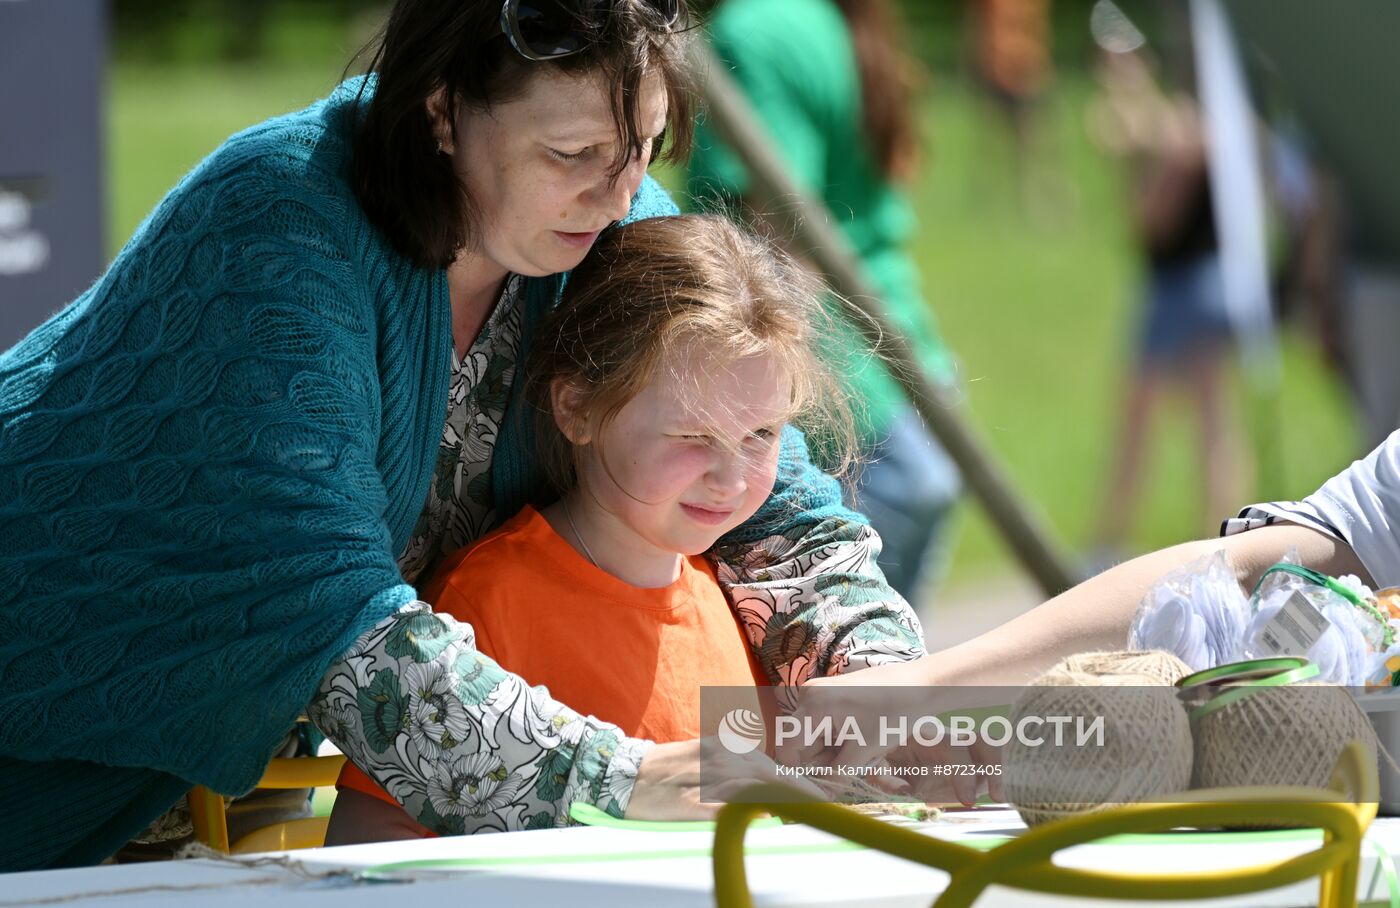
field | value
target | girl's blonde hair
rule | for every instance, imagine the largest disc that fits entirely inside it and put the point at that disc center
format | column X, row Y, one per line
column 657, row 284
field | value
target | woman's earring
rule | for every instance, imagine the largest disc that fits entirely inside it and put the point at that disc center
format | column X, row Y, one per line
column 439, row 146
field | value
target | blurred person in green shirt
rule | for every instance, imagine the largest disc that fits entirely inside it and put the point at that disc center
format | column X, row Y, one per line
column 829, row 80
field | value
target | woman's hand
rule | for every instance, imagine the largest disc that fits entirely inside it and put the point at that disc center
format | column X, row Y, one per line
column 668, row 781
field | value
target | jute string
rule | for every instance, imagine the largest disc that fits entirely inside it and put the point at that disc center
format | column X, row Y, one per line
column 1163, row 667
column 1146, row 746
column 1290, row 735
column 196, row 851
column 1286, row 735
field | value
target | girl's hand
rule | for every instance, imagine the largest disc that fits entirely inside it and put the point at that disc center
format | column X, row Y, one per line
column 893, row 688
column 668, row 781
column 886, row 694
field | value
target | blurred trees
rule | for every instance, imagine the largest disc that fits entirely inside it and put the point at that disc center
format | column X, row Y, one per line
column 239, row 29
column 225, row 29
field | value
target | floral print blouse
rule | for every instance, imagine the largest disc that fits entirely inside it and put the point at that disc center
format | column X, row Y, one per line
column 460, row 508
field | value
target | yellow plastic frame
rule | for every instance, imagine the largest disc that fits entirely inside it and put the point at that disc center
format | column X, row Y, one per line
column 211, row 821
column 1026, row 862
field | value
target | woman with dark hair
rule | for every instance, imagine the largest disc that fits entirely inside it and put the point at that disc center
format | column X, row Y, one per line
column 224, row 467
column 830, row 81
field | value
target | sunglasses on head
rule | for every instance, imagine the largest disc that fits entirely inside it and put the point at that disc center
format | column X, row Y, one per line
column 549, row 29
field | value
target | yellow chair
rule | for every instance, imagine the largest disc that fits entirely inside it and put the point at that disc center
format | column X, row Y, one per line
column 210, row 818
column 1026, row 862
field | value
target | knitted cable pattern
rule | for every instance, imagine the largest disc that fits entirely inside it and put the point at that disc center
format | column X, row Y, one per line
column 208, row 461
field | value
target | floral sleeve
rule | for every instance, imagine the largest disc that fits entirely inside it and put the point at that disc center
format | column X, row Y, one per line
column 803, row 578
column 464, row 745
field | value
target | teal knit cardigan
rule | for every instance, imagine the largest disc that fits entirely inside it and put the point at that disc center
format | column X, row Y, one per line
column 208, row 463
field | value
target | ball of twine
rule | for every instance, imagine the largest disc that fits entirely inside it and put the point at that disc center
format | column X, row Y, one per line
column 1287, row 735
column 1164, row 667
column 1146, row 750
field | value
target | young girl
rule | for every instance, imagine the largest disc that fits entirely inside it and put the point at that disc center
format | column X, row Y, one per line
column 680, row 349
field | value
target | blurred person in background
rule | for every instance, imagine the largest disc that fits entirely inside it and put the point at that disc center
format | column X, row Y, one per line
column 1340, row 277
column 1325, row 61
column 1370, row 318
column 1009, row 46
column 832, row 84
column 1184, row 338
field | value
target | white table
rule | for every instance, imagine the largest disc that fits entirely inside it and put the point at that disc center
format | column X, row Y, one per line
column 791, row 865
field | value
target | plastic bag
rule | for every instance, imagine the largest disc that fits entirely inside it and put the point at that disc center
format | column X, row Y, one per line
column 1197, row 612
column 1334, row 622
column 1385, row 666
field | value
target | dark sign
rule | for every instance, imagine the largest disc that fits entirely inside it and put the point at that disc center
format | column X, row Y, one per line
column 52, row 59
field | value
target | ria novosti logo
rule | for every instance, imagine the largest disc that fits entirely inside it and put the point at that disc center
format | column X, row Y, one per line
column 741, row 731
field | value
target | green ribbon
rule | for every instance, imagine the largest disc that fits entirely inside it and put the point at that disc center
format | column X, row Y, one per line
column 403, row 871
column 1385, row 867
column 588, row 815
column 1228, row 669
column 1285, row 670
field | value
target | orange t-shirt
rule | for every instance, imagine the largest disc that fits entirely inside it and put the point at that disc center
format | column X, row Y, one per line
column 630, row 656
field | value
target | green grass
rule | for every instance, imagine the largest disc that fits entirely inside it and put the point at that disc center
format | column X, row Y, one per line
column 162, row 120
column 1038, row 314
